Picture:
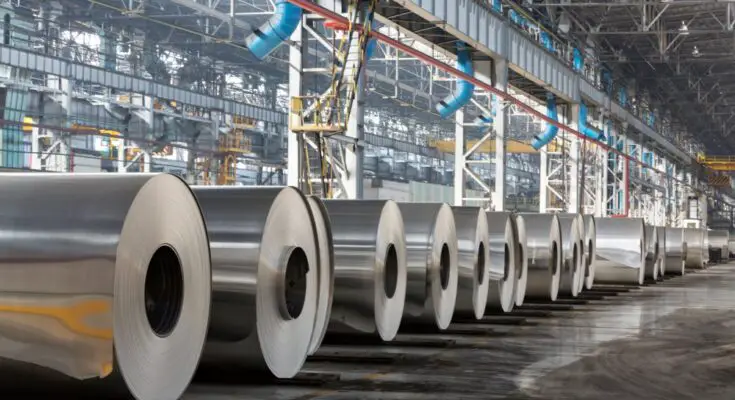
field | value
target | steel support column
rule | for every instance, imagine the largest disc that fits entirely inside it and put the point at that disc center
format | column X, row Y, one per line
column 500, row 124
column 295, row 75
column 459, row 159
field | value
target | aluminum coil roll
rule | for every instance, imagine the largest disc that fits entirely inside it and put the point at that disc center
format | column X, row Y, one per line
column 473, row 259
column 676, row 251
column 543, row 241
column 731, row 247
column 653, row 250
column 621, row 251
column 661, row 231
column 104, row 276
column 522, row 261
column 264, row 277
column 719, row 239
column 369, row 266
column 503, row 235
column 573, row 254
column 590, row 251
column 431, row 254
column 705, row 247
column 694, row 238
column 325, row 272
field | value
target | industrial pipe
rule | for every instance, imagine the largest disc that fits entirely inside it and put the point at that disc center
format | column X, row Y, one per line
column 549, row 134
column 275, row 31
column 463, row 94
column 587, row 130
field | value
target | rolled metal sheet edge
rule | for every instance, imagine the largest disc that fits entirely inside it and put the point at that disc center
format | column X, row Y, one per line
column 522, row 261
column 621, row 250
column 543, row 241
column 325, row 270
column 126, row 285
column 590, row 250
column 503, row 239
column 431, row 254
column 676, row 251
column 369, row 266
column 472, row 261
column 572, row 251
column 264, row 277
column 653, row 250
column 695, row 240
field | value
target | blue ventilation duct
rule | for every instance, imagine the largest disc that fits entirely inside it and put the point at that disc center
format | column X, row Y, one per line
column 549, row 134
column 463, row 94
column 515, row 17
column 546, row 41
column 577, row 60
column 275, row 31
column 623, row 97
column 484, row 119
column 498, row 6
column 587, row 130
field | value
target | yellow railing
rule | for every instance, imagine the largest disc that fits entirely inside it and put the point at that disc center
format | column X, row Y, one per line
column 317, row 114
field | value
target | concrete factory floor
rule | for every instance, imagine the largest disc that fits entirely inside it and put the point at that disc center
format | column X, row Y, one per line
column 672, row 340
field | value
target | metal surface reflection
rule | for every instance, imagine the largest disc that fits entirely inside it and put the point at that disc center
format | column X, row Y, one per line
column 621, row 250
column 264, row 277
column 543, row 241
column 472, row 261
column 104, row 276
column 503, row 240
column 676, row 251
column 694, row 238
column 369, row 266
column 431, row 253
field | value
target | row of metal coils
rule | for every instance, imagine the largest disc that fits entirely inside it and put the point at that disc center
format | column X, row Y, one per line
column 139, row 278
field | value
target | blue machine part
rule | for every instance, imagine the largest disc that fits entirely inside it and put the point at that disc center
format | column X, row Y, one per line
column 577, row 60
column 549, row 134
column 484, row 119
column 607, row 82
column 585, row 129
column 546, row 41
column 623, row 97
column 463, row 94
column 275, row 31
column 498, row 6
column 515, row 17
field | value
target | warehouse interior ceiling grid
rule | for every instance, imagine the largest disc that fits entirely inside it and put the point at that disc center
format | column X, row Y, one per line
column 681, row 52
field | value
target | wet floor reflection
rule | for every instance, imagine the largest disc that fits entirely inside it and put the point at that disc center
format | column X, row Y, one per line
column 666, row 341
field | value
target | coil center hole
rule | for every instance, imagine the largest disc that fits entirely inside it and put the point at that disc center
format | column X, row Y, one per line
column 444, row 267
column 554, row 258
column 591, row 251
column 297, row 268
column 480, row 266
column 575, row 258
column 390, row 271
column 164, row 291
column 506, row 262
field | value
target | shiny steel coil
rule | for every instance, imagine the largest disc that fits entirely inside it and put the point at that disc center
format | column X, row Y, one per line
column 522, row 264
column 325, row 272
column 590, row 251
column 104, row 276
column 731, row 246
column 503, row 234
column 719, row 239
column 694, row 238
column 661, row 231
column 573, row 254
column 369, row 266
column 431, row 263
column 676, row 251
column 705, row 247
column 653, row 250
column 621, row 251
column 543, row 242
column 473, row 258
column 264, row 277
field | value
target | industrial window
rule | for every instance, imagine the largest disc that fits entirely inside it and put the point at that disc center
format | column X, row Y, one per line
column 6, row 29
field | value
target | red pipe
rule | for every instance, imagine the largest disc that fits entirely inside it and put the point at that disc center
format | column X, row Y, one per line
column 339, row 19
